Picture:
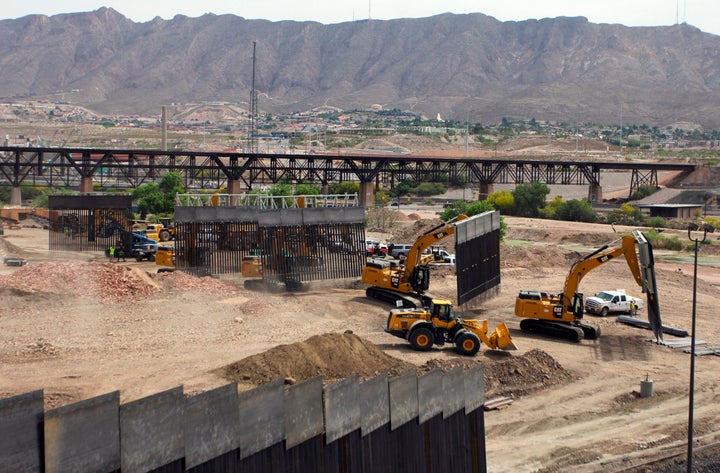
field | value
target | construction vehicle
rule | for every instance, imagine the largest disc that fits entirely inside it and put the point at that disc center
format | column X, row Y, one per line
column 438, row 324
column 168, row 230
column 404, row 283
column 561, row 315
column 165, row 257
column 133, row 244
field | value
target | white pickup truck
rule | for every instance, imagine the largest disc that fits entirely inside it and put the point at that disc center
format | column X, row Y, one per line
column 440, row 256
column 606, row 302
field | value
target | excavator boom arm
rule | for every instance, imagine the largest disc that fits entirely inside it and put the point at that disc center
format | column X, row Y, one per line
column 424, row 241
column 603, row 255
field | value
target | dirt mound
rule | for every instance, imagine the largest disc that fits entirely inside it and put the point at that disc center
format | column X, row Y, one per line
column 410, row 232
column 511, row 376
column 107, row 282
column 336, row 356
column 179, row 281
column 535, row 256
column 333, row 356
column 528, row 373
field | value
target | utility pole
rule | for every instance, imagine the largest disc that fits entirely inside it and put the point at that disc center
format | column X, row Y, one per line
column 253, row 106
column 621, row 127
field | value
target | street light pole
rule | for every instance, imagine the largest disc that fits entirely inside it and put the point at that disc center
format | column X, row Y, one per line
column 705, row 228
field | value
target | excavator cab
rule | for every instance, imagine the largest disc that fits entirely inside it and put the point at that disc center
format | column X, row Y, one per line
column 420, row 278
column 577, row 306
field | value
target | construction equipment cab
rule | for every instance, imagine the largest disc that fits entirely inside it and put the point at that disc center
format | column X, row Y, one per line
column 560, row 315
column 439, row 324
column 404, row 283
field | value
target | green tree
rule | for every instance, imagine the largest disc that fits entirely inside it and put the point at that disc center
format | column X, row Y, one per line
column 344, row 188
column 403, row 188
column 306, row 188
column 159, row 198
column 575, row 210
column 551, row 208
column 643, row 192
column 281, row 189
column 430, row 188
column 530, row 198
column 171, row 184
column 627, row 215
column 502, row 201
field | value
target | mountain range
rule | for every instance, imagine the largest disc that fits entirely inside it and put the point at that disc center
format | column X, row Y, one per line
column 460, row 66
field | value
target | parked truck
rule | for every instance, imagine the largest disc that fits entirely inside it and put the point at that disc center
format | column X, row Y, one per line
column 612, row 302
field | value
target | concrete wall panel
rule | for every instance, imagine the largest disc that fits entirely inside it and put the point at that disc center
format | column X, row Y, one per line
column 151, row 431
column 84, row 436
column 474, row 388
column 453, row 391
column 430, row 395
column 20, row 436
column 374, row 403
column 211, row 424
column 403, row 399
column 342, row 408
column 476, row 226
column 303, row 412
column 262, row 417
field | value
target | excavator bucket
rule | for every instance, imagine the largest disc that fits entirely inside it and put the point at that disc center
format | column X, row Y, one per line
column 500, row 338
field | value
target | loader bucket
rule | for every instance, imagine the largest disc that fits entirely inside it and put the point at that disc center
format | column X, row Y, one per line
column 500, row 338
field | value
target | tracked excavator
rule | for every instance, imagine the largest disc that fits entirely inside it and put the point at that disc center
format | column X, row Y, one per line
column 560, row 315
column 404, row 283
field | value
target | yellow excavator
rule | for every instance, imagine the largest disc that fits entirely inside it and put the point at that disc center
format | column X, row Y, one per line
column 404, row 283
column 560, row 315
column 438, row 324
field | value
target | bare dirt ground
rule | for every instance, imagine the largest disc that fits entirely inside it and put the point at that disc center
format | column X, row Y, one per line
column 78, row 326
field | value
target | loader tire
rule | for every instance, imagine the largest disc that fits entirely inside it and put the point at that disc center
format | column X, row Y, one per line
column 422, row 339
column 467, row 344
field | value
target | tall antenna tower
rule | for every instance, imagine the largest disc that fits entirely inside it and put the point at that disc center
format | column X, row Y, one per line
column 253, row 106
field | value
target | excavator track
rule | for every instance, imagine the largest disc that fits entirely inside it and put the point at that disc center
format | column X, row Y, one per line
column 591, row 332
column 553, row 329
column 397, row 299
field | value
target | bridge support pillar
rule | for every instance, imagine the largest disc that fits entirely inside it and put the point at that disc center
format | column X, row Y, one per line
column 15, row 196
column 595, row 194
column 367, row 196
column 234, row 189
column 86, row 185
column 486, row 188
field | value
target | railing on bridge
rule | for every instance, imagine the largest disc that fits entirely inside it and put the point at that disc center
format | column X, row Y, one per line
column 265, row 201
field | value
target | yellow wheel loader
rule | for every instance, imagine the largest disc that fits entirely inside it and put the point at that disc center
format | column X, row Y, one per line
column 438, row 324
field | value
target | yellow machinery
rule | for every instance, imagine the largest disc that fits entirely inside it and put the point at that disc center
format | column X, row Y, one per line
column 560, row 315
column 167, row 230
column 403, row 284
column 165, row 256
column 438, row 324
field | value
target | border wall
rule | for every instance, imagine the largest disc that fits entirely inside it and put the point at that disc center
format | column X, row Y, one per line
column 431, row 423
column 88, row 222
column 294, row 244
column 477, row 246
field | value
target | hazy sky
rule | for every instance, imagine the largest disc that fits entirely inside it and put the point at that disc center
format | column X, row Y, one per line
column 704, row 14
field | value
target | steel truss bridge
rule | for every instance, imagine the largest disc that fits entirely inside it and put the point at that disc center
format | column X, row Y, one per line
column 126, row 169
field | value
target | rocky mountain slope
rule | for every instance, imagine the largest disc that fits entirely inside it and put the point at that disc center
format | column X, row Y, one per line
column 461, row 66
